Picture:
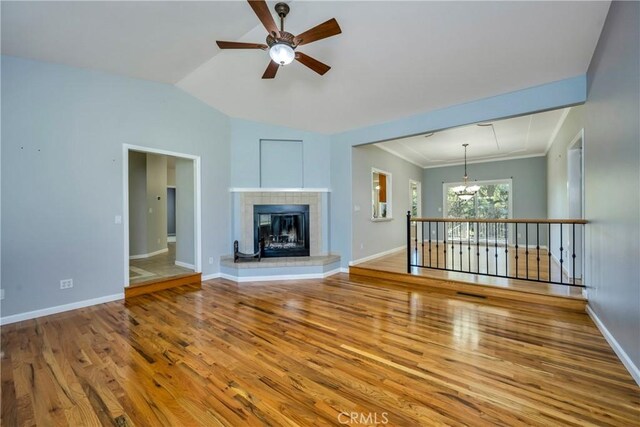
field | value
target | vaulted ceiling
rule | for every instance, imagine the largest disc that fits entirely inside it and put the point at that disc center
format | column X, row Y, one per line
column 393, row 59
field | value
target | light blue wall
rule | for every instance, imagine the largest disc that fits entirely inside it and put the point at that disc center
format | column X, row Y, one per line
column 612, row 177
column 62, row 175
column 245, row 153
column 545, row 97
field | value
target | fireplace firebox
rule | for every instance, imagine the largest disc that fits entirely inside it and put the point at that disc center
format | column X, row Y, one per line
column 283, row 228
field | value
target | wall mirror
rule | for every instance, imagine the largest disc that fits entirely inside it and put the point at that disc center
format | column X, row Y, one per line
column 380, row 195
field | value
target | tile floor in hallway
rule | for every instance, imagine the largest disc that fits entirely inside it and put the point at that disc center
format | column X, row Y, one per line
column 156, row 267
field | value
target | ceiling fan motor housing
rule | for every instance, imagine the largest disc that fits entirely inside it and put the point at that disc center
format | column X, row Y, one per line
column 286, row 38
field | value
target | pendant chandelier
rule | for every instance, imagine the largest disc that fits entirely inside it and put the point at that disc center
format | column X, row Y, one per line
column 465, row 192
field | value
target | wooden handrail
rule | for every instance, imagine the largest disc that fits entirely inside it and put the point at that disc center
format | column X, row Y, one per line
column 503, row 221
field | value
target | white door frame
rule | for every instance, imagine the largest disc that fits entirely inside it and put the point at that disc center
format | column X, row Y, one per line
column 572, row 146
column 125, row 201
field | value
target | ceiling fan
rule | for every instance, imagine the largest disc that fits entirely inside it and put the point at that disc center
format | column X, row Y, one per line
column 281, row 44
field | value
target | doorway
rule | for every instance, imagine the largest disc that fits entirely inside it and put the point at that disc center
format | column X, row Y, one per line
column 575, row 200
column 161, row 207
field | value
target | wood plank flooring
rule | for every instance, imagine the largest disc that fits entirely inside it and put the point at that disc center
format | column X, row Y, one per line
column 315, row 352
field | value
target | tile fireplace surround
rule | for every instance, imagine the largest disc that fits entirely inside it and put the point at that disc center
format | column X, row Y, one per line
column 248, row 199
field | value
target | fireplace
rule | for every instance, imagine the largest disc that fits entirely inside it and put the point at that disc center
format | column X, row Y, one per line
column 283, row 228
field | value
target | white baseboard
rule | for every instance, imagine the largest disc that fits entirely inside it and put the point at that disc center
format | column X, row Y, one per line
column 142, row 256
column 211, row 276
column 171, row 239
column 344, row 269
column 622, row 355
column 185, row 265
column 59, row 309
column 378, row 255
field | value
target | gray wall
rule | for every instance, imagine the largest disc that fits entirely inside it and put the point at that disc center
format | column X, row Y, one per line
column 137, row 203
column 63, row 130
column 529, row 180
column 372, row 237
column 612, row 174
column 156, row 202
column 185, row 213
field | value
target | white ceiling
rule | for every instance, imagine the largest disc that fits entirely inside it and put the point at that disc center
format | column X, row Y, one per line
column 161, row 41
column 392, row 60
column 524, row 136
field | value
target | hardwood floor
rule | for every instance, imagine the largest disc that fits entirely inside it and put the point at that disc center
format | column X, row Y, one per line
column 397, row 263
column 312, row 353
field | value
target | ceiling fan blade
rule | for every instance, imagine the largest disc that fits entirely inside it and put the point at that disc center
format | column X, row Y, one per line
column 264, row 15
column 319, row 32
column 314, row 64
column 239, row 45
column 271, row 70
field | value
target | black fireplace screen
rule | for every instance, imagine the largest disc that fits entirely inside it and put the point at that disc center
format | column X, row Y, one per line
column 283, row 228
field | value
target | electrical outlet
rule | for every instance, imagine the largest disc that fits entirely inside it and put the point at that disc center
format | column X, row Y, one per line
column 210, row 260
column 66, row 283
column 361, row 246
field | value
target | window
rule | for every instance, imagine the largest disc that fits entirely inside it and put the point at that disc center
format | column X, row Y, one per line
column 492, row 201
column 380, row 195
column 415, row 198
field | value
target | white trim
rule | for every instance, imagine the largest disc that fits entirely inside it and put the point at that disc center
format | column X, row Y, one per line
column 419, row 186
column 344, row 270
column 59, row 309
column 185, row 265
column 278, row 190
column 211, row 276
column 171, row 239
column 554, row 134
column 141, row 256
column 197, row 178
column 487, row 160
column 617, row 348
column 378, row 255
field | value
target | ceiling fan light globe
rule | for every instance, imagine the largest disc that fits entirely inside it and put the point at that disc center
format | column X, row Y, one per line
column 465, row 197
column 282, row 53
column 458, row 189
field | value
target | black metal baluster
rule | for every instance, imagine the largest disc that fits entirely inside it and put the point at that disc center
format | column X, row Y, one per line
column 437, row 245
column 409, row 242
column 561, row 250
column 538, row 248
column 486, row 243
column 506, row 251
column 469, row 244
column 453, row 248
column 549, row 253
column 526, row 245
column 429, row 242
column 424, row 264
column 445, row 232
column 477, row 235
column 415, row 229
column 573, row 243
column 516, row 250
column 460, row 239
column 496, row 246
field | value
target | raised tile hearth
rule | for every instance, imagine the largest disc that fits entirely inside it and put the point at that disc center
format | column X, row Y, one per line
column 316, row 266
